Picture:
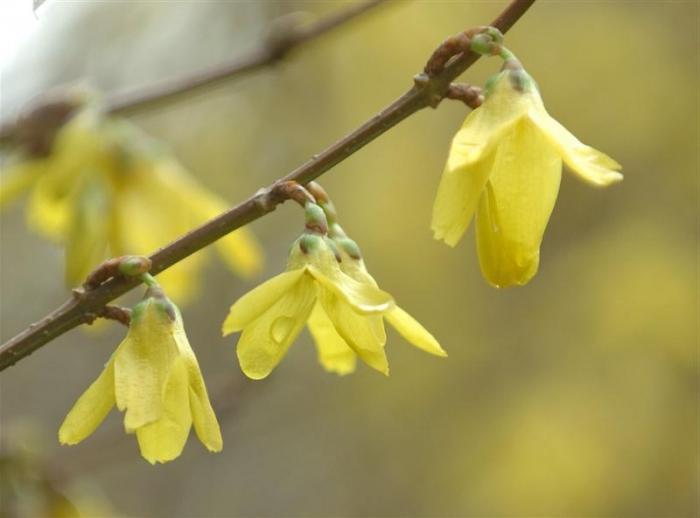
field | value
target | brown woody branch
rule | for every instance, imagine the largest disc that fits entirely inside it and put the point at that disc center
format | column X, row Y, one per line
column 426, row 92
column 32, row 129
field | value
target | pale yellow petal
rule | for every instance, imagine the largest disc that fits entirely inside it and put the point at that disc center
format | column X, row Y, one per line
column 588, row 163
column 16, row 179
column 163, row 440
column 364, row 334
column 147, row 218
column 81, row 148
column 242, row 252
column 515, row 208
column 49, row 206
column 90, row 409
column 362, row 297
column 413, row 331
column 251, row 305
column 265, row 340
column 142, row 366
column 483, row 127
column 471, row 156
column 86, row 239
column 205, row 423
column 457, row 198
column 334, row 354
column 239, row 249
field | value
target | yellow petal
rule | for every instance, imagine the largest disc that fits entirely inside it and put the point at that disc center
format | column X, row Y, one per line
column 163, row 440
column 239, row 249
column 515, row 208
column 413, row 332
column 140, row 232
column 242, row 252
column 483, row 127
column 364, row 298
column 86, row 241
column 80, row 149
column 142, row 366
column 588, row 163
column 471, row 154
column 90, row 409
column 457, row 197
column 265, row 340
column 251, row 305
column 363, row 333
column 334, row 354
column 49, row 206
column 205, row 424
column 17, row 179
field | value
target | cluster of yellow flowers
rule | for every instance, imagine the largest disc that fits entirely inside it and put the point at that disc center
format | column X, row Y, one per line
column 99, row 190
column 106, row 189
column 326, row 286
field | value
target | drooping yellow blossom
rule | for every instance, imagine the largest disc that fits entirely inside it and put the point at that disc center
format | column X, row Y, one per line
column 335, row 355
column 154, row 378
column 272, row 315
column 330, row 291
column 106, row 189
column 505, row 166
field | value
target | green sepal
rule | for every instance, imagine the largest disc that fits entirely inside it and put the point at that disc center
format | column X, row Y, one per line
column 349, row 246
column 308, row 242
column 315, row 218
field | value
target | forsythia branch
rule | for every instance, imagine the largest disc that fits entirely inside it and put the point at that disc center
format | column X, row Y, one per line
column 285, row 36
column 428, row 90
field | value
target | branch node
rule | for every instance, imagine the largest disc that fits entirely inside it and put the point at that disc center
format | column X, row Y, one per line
column 470, row 95
column 429, row 89
column 126, row 265
column 116, row 313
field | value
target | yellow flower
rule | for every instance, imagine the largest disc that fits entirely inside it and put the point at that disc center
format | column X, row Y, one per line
column 505, row 166
column 154, row 377
column 106, row 189
column 334, row 353
column 272, row 315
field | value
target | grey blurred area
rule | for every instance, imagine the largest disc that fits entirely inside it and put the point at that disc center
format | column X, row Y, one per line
column 573, row 396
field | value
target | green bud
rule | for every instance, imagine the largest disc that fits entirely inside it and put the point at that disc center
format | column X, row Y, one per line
column 329, row 210
column 133, row 265
column 487, row 42
column 309, row 242
column 315, row 218
column 350, row 247
column 336, row 231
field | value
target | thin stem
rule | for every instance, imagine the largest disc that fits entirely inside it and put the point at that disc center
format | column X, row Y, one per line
column 283, row 39
column 506, row 54
column 149, row 280
column 72, row 312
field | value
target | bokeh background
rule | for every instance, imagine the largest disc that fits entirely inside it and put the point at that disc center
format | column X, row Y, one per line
column 576, row 395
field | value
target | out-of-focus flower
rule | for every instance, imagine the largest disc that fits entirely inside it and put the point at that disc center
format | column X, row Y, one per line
column 107, row 189
column 272, row 315
column 505, row 165
column 154, row 378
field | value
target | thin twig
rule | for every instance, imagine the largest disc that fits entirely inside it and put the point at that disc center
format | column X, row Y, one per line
column 423, row 94
column 285, row 36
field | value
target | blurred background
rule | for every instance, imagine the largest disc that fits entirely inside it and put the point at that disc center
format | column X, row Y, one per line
column 576, row 395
